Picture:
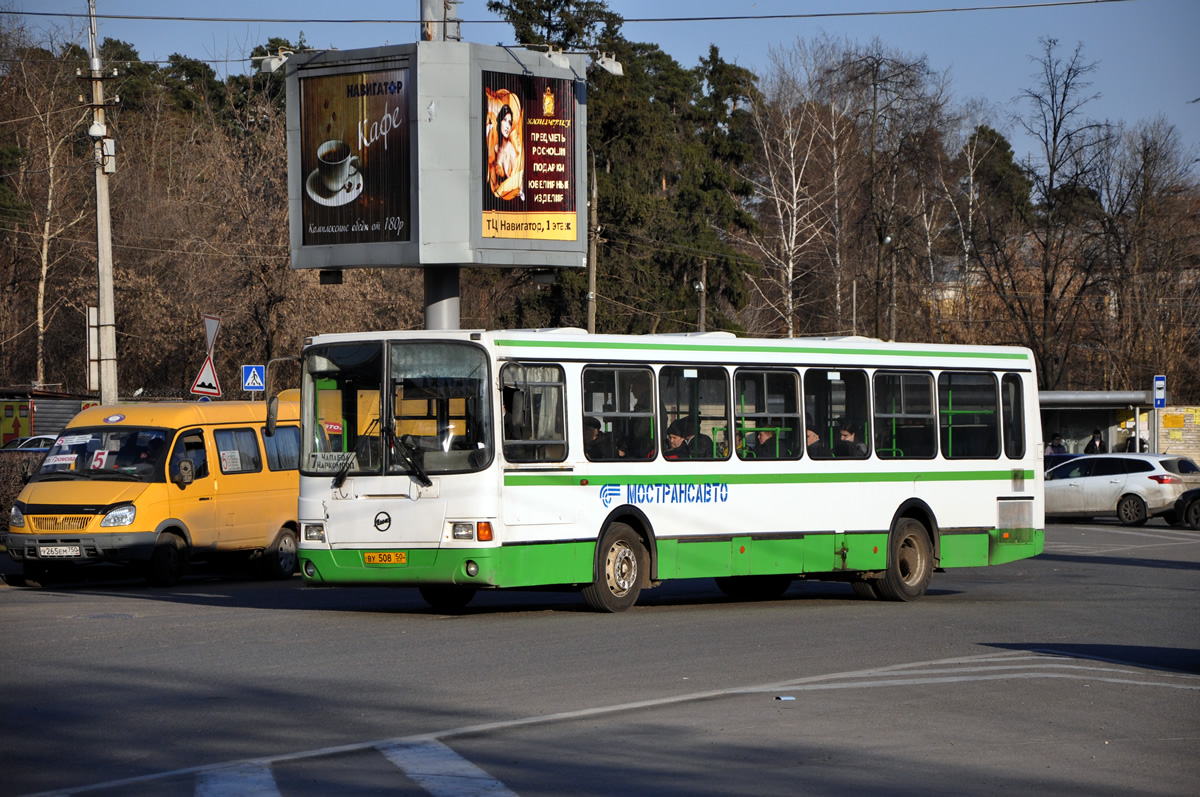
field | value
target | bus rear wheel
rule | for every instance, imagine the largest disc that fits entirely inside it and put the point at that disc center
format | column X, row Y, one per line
column 754, row 588
column 619, row 571
column 910, row 563
column 865, row 588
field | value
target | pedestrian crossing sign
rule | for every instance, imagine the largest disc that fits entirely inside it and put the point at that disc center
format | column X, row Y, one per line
column 253, row 377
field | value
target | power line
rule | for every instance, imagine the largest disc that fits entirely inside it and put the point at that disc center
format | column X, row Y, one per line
column 626, row 21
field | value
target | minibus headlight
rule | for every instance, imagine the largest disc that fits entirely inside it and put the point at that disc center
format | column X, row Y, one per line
column 121, row 516
column 314, row 532
column 16, row 519
column 463, row 531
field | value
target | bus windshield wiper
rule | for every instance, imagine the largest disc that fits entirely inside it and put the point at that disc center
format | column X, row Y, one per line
column 411, row 456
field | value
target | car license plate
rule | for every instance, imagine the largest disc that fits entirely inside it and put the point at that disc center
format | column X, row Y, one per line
column 58, row 551
column 386, row 557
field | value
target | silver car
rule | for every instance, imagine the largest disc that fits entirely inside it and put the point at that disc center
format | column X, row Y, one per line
column 1130, row 487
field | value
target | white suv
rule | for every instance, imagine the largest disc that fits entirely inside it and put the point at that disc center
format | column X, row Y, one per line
column 1131, row 487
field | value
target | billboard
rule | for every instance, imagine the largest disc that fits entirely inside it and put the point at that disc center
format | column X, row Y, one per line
column 529, row 148
column 354, row 157
column 436, row 153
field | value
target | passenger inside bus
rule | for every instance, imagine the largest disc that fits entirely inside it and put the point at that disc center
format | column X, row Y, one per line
column 768, row 442
column 597, row 444
column 683, row 443
column 848, row 444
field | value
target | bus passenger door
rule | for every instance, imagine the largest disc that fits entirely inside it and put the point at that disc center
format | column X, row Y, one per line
column 195, row 504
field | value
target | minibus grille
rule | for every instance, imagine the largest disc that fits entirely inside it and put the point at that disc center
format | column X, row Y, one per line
column 60, row 522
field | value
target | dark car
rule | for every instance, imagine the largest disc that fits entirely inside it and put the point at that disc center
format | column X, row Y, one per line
column 1187, row 510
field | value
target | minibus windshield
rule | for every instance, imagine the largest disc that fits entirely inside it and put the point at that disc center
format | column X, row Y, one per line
column 127, row 453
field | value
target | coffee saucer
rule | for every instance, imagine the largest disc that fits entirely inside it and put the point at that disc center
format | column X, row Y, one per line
column 317, row 193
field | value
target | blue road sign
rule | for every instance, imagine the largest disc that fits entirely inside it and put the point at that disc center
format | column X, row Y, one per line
column 1160, row 392
column 254, row 377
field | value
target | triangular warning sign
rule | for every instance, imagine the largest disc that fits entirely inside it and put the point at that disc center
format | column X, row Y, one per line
column 206, row 383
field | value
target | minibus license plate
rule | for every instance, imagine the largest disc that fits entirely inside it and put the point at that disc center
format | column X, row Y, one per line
column 58, row 551
column 386, row 557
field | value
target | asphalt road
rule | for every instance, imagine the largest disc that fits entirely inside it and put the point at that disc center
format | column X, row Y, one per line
column 1077, row 672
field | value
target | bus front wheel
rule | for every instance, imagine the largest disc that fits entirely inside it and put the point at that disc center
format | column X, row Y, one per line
column 446, row 598
column 619, row 571
column 910, row 563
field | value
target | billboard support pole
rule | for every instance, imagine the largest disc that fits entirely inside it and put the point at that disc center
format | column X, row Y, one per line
column 441, row 297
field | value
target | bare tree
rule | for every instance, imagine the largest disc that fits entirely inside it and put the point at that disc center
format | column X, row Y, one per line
column 41, row 93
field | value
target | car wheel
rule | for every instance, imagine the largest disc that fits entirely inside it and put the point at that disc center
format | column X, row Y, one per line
column 910, row 563
column 1191, row 514
column 280, row 559
column 168, row 562
column 1131, row 511
column 447, row 598
column 754, row 588
column 619, row 571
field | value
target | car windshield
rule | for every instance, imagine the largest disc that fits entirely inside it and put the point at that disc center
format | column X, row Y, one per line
column 107, row 452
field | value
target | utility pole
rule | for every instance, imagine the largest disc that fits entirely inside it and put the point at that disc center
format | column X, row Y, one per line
column 104, row 154
column 593, row 235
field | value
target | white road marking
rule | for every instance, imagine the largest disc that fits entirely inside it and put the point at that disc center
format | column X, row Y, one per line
column 244, row 779
column 441, row 771
column 910, row 673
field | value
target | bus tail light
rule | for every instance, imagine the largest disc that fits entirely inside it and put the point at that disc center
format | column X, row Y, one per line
column 485, row 531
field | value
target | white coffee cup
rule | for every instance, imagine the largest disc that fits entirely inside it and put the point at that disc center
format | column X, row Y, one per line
column 335, row 164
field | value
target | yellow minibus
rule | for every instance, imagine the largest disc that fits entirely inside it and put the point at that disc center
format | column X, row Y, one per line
column 158, row 485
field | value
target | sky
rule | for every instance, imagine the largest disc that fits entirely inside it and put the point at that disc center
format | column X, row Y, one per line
column 1148, row 61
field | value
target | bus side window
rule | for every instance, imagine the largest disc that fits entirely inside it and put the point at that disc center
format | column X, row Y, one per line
column 840, row 402
column 621, row 400
column 767, row 415
column 905, row 426
column 1014, row 416
column 534, row 425
column 968, row 415
column 695, row 401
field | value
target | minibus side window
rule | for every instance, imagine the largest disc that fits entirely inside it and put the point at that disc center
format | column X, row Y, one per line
column 283, row 448
column 238, row 451
column 190, row 446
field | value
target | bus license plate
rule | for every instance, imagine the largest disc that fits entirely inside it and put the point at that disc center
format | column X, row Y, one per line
column 385, row 557
column 58, row 551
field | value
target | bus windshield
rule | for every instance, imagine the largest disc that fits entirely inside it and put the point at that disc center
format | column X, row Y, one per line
column 111, row 452
column 437, row 417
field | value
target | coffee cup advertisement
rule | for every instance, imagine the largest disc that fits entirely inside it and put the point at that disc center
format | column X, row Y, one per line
column 354, row 153
column 529, row 157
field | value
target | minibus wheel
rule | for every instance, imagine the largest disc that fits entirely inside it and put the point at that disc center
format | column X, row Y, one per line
column 281, row 558
column 168, row 561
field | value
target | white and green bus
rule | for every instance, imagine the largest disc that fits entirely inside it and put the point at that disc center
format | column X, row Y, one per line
column 454, row 461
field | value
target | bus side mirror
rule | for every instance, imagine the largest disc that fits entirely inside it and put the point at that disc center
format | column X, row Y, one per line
column 272, row 415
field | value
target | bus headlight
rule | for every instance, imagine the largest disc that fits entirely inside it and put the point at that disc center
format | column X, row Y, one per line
column 463, row 531
column 121, row 516
column 16, row 519
column 314, row 532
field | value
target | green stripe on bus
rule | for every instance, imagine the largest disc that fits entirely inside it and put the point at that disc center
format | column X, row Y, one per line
column 757, row 348
column 556, row 480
